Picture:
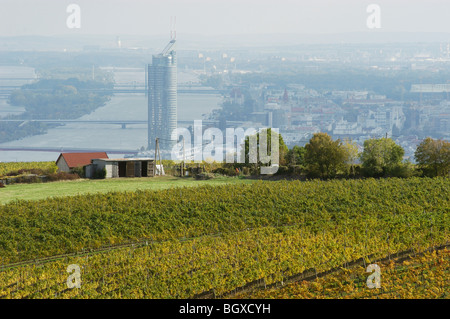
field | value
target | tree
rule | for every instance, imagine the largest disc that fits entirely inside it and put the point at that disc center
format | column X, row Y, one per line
column 381, row 157
column 323, row 156
column 17, row 98
column 296, row 155
column 283, row 149
column 65, row 90
column 433, row 157
column 351, row 151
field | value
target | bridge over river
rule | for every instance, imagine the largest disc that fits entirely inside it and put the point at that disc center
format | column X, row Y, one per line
column 65, row 149
column 6, row 90
column 123, row 123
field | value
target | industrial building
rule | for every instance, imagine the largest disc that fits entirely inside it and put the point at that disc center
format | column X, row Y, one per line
column 122, row 167
column 162, row 97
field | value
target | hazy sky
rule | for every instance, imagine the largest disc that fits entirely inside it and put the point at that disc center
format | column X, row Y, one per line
column 220, row 17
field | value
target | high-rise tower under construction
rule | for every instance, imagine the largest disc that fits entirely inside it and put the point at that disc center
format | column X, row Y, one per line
column 162, row 97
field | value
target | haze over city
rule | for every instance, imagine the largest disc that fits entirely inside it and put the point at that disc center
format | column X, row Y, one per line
column 220, row 17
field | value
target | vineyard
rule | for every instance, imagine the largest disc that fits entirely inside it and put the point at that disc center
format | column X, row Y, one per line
column 9, row 167
column 420, row 277
column 213, row 240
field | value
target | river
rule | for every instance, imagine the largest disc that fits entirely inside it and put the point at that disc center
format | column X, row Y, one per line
column 105, row 136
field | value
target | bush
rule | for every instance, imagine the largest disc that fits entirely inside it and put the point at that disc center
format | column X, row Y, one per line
column 23, row 179
column 36, row 171
column 28, row 171
column 204, row 176
column 228, row 171
column 99, row 174
column 254, row 170
column 61, row 176
column 27, row 179
column 291, row 170
column 312, row 173
column 80, row 171
column 284, row 170
column 12, row 173
column 403, row 170
column 358, row 170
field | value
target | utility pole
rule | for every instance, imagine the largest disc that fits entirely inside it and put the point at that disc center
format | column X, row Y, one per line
column 184, row 156
column 160, row 163
column 156, row 152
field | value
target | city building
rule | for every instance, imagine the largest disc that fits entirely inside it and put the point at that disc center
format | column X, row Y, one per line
column 162, row 97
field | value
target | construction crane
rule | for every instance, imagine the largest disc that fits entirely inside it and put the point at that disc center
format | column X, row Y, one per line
column 169, row 47
column 173, row 35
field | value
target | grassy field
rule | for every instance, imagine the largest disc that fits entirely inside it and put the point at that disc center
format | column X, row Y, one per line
column 84, row 186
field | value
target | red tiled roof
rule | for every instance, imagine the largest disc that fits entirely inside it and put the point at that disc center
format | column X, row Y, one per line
column 80, row 159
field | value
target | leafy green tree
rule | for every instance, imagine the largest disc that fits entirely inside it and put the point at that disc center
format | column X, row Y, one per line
column 323, row 156
column 296, row 156
column 351, row 151
column 381, row 157
column 433, row 157
column 283, row 149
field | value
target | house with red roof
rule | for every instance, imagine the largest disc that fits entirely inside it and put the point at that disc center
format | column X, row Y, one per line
column 68, row 161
